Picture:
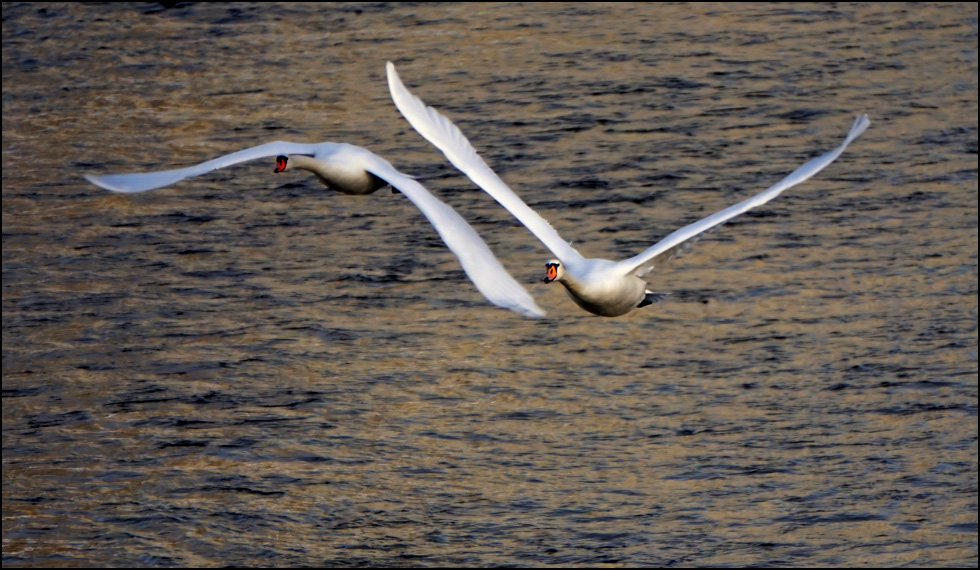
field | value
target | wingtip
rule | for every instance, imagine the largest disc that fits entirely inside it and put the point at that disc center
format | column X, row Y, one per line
column 100, row 181
column 519, row 301
column 535, row 313
column 97, row 181
column 861, row 124
column 392, row 74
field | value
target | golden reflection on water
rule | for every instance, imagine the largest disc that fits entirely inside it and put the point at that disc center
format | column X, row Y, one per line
column 247, row 369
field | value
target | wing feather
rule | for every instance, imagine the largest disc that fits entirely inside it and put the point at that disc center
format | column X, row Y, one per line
column 479, row 263
column 642, row 263
column 442, row 133
column 143, row 181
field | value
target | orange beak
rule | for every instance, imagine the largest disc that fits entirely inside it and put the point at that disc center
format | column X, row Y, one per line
column 552, row 273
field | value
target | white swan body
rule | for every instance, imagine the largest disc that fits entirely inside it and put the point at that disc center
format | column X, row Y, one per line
column 600, row 286
column 354, row 170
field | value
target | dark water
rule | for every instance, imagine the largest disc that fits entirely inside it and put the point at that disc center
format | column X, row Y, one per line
column 246, row 369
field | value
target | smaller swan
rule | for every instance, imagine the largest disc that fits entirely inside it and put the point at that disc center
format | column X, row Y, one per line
column 600, row 286
column 351, row 169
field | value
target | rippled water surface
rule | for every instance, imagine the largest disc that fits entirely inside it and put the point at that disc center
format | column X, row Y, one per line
column 248, row 369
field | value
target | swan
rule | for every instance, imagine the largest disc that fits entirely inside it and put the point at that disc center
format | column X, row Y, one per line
column 351, row 169
column 600, row 286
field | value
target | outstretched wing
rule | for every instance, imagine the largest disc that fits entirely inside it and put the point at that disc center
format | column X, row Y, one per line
column 143, row 181
column 479, row 263
column 645, row 261
column 442, row 133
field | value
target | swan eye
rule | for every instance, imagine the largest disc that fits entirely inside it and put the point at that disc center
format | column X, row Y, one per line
column 281, row 163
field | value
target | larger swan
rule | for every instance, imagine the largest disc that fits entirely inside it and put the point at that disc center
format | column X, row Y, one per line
column 600, row 286
column 354, row 170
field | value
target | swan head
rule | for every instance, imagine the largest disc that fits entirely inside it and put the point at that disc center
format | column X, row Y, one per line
column 283, row 163
column 554, row 271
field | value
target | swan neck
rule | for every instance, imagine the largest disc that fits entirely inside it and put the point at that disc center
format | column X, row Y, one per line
column 306, row 163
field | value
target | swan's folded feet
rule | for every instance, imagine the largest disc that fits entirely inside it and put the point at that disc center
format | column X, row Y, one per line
column 652, row 297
